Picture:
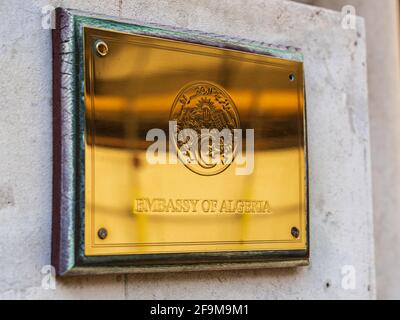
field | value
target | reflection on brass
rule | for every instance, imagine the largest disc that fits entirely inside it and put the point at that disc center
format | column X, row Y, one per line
column 142, row 83
column 204, row 105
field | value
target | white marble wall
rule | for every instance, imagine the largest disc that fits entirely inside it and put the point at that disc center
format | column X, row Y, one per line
column 339, row 153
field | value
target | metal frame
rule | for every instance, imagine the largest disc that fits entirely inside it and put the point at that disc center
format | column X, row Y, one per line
column 68, row 156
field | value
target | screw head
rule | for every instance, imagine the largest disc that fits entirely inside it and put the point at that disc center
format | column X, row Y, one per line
column 101, row 48
column 295, row 232
column 292, row 77
column 102, row 233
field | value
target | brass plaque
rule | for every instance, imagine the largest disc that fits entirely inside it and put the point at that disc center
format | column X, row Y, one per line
column 175, row 150
column 177, row 201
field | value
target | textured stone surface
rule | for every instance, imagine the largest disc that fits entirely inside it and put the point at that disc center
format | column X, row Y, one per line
column 384, row 98
column 340, row 186
column 384, row 83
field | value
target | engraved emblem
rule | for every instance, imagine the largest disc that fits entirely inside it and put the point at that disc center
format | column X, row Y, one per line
column 199, row 109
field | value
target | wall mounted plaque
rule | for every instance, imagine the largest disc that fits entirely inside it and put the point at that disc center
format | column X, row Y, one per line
column 175, row 150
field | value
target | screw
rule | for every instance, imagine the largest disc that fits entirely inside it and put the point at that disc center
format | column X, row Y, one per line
column 292, row 77
column 295, row 232
column 102, row 233
column 101, row 48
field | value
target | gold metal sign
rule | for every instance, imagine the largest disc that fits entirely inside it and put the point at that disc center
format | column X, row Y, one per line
column 140, row 83
column 175, row 149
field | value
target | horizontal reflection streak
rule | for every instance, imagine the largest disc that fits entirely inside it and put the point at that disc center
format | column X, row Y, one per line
column 276, row 100
column 147, row 112
column 279, row 133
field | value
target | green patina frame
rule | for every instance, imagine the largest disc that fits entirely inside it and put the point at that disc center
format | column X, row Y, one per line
column 69, row 155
